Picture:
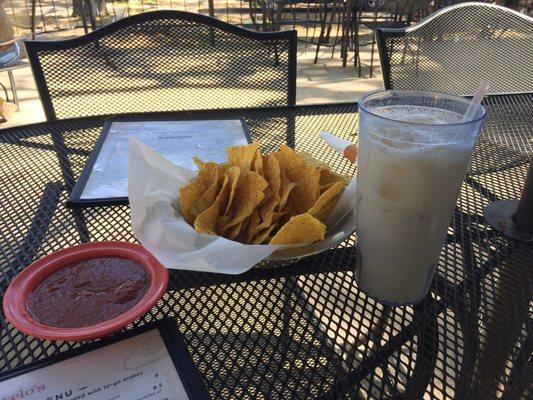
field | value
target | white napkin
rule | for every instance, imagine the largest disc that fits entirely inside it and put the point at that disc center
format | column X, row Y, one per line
column 153, row 190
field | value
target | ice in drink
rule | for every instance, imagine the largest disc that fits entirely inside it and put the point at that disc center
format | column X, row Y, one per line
column 412, row 161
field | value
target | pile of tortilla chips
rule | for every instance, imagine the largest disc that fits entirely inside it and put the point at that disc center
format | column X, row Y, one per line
column 278, row 198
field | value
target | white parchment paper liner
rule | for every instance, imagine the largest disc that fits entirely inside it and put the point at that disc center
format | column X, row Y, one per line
column 153, row 190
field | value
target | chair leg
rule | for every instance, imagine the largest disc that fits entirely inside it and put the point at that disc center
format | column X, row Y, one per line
column 252, row 15
column 419, row 42
column 13, row 88
column 277, row 16
column 373, row 42
column 293, row 13
column 264, row 11
column 331, row 19
column 357, row 57
column 325, row 15
column 372, row 53
column 346, row 33
column 276, row 55
column 354, row 35
column 340, row 18
column 351, row 30
column 406, row 48
column 322, row 32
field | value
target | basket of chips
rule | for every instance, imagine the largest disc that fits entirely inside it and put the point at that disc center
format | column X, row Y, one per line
column 228, row 217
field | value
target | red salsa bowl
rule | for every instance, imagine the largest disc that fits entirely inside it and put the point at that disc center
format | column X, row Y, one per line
column 16, row 296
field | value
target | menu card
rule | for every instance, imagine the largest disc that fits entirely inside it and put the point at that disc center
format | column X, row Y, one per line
column 104, row 179
column 136, row 368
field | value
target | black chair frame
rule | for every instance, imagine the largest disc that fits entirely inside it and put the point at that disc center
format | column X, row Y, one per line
column 385, row 52
column 33, row 47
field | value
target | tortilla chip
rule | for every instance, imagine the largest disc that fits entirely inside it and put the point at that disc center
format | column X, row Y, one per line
column 206, row 222
column 265, row 212
column 269, row 196
column 264, row 236
column 285, row 190
column 327, row 176
column 303, row 228
column 199, row 163
column 234, row 231
column 326, row 202
column 277, row 198
column 223, row 168
column 272, row 173
column 303, row 196
column 257, row 163
column 248, row 195
column 242, row 156
column 309, row 159
column 199, row 193
column 327, row 186
column 251, row 228
column 278, row 216
column 233, row 178
column 305, row 193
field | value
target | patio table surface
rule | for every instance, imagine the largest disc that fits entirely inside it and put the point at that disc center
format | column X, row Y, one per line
column 303, row 329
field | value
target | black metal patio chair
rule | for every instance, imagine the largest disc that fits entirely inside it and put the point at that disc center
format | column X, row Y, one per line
column 164, row 61
column 457, row 47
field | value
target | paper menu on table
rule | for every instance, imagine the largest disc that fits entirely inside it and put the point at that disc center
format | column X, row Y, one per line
column 137, row 368
column 179, row 141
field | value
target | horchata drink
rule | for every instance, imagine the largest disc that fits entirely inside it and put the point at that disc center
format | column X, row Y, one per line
column 413, row 155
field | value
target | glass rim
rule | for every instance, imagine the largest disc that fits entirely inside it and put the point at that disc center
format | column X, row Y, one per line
column 425, row 93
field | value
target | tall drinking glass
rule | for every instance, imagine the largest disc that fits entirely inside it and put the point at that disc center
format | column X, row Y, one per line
column 413, row 155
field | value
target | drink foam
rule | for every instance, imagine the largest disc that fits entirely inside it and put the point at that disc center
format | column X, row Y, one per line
column 419, row 114
column 425, row 127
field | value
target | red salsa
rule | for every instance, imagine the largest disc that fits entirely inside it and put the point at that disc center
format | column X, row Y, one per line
column 88, row 292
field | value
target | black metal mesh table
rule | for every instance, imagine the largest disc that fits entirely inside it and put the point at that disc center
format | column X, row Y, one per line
column 304, row 330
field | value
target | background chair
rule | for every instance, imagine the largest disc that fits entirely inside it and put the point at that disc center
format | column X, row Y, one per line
column 396, row 10
column 457, row 47
column 164, row 61
column 354, row 15
column 10, row 59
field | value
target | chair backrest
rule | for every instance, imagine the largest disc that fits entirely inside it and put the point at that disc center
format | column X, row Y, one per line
column 164, row 61
column 458, row 47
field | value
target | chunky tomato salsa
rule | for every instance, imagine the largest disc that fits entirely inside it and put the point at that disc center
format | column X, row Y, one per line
column 88, row 292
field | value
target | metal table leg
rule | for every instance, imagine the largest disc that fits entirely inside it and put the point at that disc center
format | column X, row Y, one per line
column 524, row 212
column 514, row 218
column 13, row 88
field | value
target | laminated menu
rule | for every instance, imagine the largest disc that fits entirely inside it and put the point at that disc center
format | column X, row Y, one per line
column 104, row 180
column 153, row 364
